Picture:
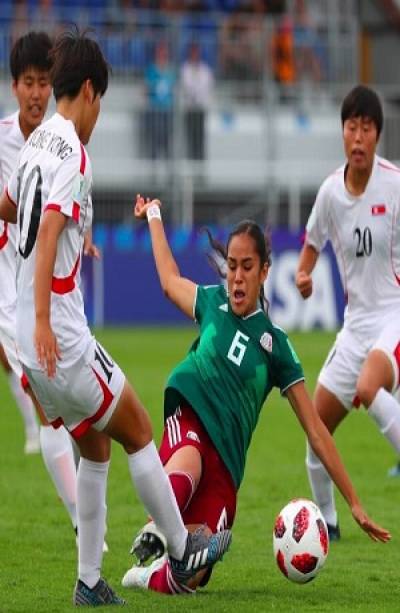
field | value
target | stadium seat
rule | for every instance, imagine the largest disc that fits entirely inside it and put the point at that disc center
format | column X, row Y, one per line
column 139, row 51
column 113, row 46
column 6, row 12
column 4, row 47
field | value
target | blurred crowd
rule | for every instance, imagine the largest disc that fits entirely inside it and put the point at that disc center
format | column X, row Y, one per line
column 270, row 6
column 239, row 40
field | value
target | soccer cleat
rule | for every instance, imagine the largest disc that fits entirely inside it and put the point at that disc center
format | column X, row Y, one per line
column 32, row 443
column 202, row 551
column 100, row 594
column 333, row 532
column 149, row 543
column 139, row 576
column 394, row 471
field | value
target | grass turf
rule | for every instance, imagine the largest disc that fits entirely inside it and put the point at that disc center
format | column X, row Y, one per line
column 37, row 545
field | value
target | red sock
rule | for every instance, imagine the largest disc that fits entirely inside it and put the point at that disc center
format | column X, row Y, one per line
column 183, row 486
column 162, row 581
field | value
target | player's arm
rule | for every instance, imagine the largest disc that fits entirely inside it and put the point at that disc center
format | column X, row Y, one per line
column 46, row 345
column 307, row 260
column 8, row 209
column 179, row 290
column 324, row 446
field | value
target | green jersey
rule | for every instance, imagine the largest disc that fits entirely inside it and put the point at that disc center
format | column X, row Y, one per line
column 228, row 373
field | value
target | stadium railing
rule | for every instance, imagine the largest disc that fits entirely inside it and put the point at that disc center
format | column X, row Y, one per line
column 268, row 143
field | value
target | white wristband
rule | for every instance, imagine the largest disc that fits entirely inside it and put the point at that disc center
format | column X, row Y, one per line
column 153, row 212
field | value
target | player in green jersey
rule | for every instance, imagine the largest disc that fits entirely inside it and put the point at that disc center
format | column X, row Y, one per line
column 213, row 398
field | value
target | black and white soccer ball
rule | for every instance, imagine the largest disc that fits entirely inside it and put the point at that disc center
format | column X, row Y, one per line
column 300, row 540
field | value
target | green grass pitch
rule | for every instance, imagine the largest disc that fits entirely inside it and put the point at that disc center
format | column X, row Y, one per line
column 37, row 546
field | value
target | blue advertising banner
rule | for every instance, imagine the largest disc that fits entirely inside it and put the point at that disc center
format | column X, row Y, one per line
column 130, row 293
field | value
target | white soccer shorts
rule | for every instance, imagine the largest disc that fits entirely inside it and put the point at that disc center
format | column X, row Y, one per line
column 83, row 395
column 7, row 339
column 343, row 365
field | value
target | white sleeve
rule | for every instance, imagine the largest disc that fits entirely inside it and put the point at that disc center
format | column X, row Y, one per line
column 317, row 229
column 65, row 188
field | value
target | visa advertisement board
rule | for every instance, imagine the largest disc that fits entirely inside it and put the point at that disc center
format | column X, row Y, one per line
column 123, row 289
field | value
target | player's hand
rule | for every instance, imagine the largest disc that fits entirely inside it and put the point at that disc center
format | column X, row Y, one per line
column 374, row 531
column 89, row 248
column 304, row 284
column 47, row 349
column 142, row 205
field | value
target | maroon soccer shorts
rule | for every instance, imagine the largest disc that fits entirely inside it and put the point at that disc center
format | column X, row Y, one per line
column 214, row 501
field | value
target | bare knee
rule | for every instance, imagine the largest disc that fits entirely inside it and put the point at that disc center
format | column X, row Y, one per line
column 139, row 436
column 130, row 424
column 329, row 408
column 94, row 446
column 377, row 372
column 186, row 459
column 366, row 391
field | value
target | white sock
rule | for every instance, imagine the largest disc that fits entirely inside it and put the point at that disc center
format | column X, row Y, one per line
column 385, row 410
column 156, row 493
column 321, row 486
column 92, row 510
column 25, row 406
column 58, row 457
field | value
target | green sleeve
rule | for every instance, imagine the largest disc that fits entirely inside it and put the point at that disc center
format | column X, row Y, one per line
column 204, row 294
column 289, row 369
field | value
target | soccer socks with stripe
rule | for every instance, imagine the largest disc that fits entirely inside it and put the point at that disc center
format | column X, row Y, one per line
column 92, row 510
column 385, row 411
column 183, row 485
column 321, row 486
column 161, row 580
column 58, row 457
column 25, row 406
column 156, row 493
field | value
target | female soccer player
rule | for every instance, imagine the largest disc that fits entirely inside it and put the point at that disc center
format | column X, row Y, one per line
column 357, row 208
column 75, row 380
column 30, row 66
column 213, row 398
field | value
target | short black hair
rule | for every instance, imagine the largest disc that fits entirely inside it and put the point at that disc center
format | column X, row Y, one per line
column 30, row 51
column 363, row 101
column 76, row 58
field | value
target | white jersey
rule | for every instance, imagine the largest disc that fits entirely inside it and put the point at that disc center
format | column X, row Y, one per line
column 54, row 172
column 365, row 234
column 11, row 143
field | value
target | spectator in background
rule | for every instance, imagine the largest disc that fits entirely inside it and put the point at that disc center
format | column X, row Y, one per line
column 197, row 84
column 282, row 54
column 242, row 43
column 307, row 44
column 20, row 25
column 158, row 120
column 45, row 17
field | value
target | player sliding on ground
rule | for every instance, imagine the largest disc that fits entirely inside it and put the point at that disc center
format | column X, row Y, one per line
column 75, row 380
column 214, row 397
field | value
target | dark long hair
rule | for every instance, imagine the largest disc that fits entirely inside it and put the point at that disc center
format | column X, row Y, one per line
column 262, row 242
